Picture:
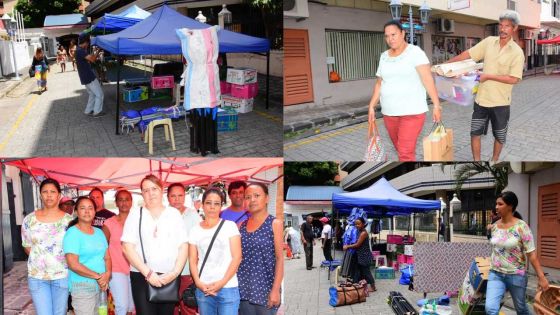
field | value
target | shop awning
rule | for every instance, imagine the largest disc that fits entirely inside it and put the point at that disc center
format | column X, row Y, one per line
column 555, row 40
column 112, row 173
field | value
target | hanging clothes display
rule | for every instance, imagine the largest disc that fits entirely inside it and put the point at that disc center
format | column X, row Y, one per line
column 202, row 87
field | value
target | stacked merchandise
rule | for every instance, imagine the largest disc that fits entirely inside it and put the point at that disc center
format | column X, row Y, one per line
column 471, row 295
column 132, row 118
column 162, row 87
column 239, row 90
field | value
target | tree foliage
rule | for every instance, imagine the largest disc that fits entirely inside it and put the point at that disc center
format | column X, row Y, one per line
column 34, row 12
column 272, row 15
column 309, row 173
column 468, row 170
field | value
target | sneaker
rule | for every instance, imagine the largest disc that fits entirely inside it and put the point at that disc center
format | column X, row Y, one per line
column 89, row 114
column 100, row 114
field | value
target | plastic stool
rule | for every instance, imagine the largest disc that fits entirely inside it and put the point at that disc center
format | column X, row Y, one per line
column 384, row 257
column 149, row 136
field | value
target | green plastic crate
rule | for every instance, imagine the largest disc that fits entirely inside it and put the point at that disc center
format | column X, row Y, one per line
column 385, row 273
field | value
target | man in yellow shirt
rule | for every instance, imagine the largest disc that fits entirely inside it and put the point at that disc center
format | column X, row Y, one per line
column 503, row 67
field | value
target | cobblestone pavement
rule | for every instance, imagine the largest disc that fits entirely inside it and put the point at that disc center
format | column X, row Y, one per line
column 53, row 124
column 17, row 299
column 532, row 135
column 307, row 291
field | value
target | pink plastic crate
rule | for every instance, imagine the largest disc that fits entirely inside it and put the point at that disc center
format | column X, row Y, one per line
column 394, row 239
column 409, row 259
column 396, row 265
column 225, row 87
column 401, row 259
column 163, row 82
column 244, row 91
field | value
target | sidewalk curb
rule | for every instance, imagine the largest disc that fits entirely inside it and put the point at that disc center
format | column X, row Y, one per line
column 338, row 117
column 11, row 87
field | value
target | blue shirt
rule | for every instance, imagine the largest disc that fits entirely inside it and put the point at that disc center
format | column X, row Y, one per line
column 84, row 68
column 91, row 253
column 235, row 216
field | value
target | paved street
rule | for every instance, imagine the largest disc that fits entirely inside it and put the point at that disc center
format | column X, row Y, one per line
column 307, row 291
column 53, row 124
column 532, row 135
column 17, row 299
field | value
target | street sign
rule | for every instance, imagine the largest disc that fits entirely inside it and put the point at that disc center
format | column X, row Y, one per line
column 458, row 4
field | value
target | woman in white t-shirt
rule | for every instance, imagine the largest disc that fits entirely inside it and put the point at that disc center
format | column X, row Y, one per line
column 403, row 77
column 165, row 247
column 217, row 288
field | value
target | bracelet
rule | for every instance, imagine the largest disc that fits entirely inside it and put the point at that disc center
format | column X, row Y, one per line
column 148, row 275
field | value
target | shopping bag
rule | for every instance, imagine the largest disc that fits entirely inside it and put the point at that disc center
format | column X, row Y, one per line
column 375, row 150
column 438, row 145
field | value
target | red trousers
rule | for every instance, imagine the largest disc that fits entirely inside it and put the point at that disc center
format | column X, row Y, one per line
column 404, row 132
column 186, row 281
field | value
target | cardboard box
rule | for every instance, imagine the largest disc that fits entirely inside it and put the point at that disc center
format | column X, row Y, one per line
column 163, row 82
column 244, row 91
column 240, row 105
column 241, row 76
column 478, row 274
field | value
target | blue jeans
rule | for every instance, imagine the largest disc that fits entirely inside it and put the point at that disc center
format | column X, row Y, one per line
column 50, row 297
column 95, row 99
column 498, row 283
column 225, row 303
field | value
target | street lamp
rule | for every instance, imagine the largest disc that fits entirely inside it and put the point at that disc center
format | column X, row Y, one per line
column 224, row 17
column 396, row 11
column 10, row 26
column 201, row 18
column 454, row 205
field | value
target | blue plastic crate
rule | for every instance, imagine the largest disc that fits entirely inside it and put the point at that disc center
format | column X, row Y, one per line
column 388, row 273
column 135, row 94
column 227, row 120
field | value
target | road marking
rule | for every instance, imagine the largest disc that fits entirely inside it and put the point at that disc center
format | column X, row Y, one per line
column 18, row 122
column 326, row 136
column 268, row 116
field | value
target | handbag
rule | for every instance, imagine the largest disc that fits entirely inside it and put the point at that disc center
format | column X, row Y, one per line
column 438, row 145
column 375, row 150
column 168, row 293
column 189, row 295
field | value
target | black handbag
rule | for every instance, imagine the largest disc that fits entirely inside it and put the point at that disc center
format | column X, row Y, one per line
column 189, row 295
column 31, row 71
column 168, row 293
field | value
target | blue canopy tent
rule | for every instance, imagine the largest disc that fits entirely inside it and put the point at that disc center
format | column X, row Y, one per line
column 117, row 22
column 156, row 35
column 382, row 199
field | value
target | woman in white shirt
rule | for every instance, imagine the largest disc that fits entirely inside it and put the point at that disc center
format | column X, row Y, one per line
column 217, row 287
column 403, row 77
column 165, row 246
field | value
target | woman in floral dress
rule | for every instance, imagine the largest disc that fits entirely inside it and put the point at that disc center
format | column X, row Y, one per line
column 42, row 232
column 512, row 245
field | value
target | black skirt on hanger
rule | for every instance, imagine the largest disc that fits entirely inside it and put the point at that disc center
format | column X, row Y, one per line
column 203, row 129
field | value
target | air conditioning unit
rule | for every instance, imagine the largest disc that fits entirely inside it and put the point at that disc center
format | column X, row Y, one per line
column 446, row 25
column 296, row 8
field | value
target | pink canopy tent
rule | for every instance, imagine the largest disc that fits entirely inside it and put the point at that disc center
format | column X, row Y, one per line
column 112, row 173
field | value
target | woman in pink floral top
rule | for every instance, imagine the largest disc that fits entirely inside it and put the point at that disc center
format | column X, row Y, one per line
column 512, row 245
column 42, row 232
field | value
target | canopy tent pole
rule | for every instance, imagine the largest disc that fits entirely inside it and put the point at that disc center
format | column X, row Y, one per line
column 118, row 95
column 267, row 77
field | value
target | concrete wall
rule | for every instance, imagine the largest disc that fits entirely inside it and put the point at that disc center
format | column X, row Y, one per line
column 7, row 59
column 259, row 62
column 12, row 173
column 327, row 17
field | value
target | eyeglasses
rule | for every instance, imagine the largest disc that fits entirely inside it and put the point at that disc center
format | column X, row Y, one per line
column 249, row 197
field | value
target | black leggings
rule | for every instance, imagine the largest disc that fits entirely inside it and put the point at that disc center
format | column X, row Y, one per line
column 363, row 272
column 139, row 294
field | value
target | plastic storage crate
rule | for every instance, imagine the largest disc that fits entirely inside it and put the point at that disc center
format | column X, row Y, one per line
column 163, row 82
column 394, row 239
column 227, row 120
column 225, row 87
column 135, row 94
column 384, row 273
column 460, row 91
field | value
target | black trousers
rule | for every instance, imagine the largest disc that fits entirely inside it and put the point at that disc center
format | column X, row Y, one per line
column 309, row 254
column 363, row 272
column 327, row 250
column 203, row 132
column 139, row 295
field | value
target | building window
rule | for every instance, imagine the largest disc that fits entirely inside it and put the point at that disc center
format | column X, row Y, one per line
column 555, row 9
column 356, row 53
column 511, row 5
column 447, row 47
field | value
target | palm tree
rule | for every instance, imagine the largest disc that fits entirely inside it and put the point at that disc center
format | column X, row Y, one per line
column 468, row 170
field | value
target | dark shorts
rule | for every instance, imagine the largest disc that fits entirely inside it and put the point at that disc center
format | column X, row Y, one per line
column 498, row 116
